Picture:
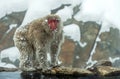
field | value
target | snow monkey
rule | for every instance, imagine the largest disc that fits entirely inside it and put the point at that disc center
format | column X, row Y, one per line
column 37, row 40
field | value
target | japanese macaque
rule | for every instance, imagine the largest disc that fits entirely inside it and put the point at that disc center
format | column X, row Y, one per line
column 37, row 40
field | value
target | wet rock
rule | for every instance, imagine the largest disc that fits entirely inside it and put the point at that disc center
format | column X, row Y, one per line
column 106, row 71
column 103, row 63
column 7, row 60
column 109, row 46
column 116, row 63
column 13, row 18
column 16, row 63
column 100, row 63
column 8, row 69
column 104, row 68
column 6, row 34
column 3, row 29
column 6, row 39
column 69, row 71
column 89, row 31
column 66, row 55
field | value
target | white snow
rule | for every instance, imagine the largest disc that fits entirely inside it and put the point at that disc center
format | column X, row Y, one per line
column 40, row 8
column 6, row 65
column 100, row 11
column 77, row 57
column 9, row 6
column 12, row 53
column 11, row 27
column 73, row 31
column 91, row 63
column 48, row 57
column 65, row 13
column 114, row 59
column 105, row 12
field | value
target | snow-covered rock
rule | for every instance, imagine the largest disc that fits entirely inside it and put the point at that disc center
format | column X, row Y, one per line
column 8, row 57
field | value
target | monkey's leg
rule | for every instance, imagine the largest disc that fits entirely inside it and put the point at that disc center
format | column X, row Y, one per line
column 26, row 51
column 41, row 57
column 55, row 50
column 27, row 59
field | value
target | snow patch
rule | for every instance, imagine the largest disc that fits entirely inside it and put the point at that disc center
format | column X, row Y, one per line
column 91, row 63
column 73, row 31
column 11, row 27
column 65, row 13
column 38, row 9
column 12, row 53
column 77, row 57
column 48, row 57
column 7, row 65
column 100, row 11
column 114, row 59
column 7, row 7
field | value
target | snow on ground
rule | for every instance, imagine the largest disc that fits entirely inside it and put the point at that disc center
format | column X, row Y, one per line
column 12, row 53
column 6, row 65
column 9, row 6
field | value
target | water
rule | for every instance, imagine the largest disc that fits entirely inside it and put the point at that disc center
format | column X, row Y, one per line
column 19, row 75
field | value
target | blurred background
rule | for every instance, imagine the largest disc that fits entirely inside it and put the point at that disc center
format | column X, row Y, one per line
column 91, row 29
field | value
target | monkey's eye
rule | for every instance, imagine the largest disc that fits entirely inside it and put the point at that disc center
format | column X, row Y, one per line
column 57, row 20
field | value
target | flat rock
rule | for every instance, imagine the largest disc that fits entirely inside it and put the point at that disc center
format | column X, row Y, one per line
column 69, row 71
column 106, row 71
column 8, row 69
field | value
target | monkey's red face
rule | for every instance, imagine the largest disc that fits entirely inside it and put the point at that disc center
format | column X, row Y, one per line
column 53, row 23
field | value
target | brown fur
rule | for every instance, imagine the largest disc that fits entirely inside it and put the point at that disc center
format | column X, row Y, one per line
column 35, row 40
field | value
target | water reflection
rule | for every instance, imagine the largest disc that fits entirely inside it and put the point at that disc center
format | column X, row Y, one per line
column 31, row 75
column 40, row 76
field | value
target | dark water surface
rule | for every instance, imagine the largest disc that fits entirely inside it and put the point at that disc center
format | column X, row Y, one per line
column 19, row 75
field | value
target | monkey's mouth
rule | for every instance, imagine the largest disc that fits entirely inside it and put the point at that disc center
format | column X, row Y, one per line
column 53, row 23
